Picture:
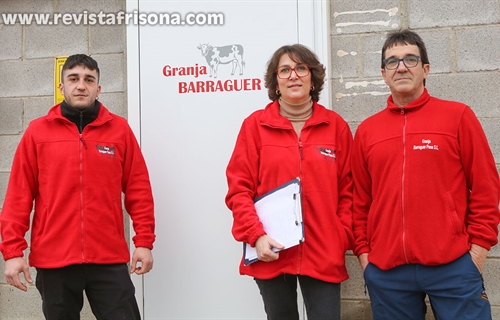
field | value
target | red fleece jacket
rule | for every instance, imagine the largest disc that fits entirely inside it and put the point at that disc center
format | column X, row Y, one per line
column 268, row 154
column 77, row 183
column 426, row 184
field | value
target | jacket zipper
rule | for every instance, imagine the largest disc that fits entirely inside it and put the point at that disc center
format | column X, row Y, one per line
column 81, row 123
column 83, row 145
column 403, row 186
column 301, row 153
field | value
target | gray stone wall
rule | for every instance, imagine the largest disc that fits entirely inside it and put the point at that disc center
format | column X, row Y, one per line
column 461, row 38
column 27, row 60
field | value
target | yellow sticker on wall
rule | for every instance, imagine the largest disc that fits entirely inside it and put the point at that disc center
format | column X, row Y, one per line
column 58, row 96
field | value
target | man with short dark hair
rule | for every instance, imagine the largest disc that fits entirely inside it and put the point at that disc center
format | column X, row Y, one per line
column 426, row 195
column 75, row 163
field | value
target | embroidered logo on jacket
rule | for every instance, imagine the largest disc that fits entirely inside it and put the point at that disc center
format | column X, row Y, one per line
column 106, row 151
column 328, row 153
column 426, row 145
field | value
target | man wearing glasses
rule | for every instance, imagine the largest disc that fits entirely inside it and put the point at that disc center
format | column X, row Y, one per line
column 426, row 196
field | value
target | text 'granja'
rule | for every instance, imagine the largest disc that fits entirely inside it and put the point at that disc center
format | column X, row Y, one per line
column 246, row 84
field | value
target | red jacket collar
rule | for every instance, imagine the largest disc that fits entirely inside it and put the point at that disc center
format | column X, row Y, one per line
column 272, row 117
column 415, row 104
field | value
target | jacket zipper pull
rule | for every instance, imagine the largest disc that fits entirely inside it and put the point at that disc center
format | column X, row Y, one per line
column 300, row 151
column 81, row 121
column 83, row 142
column 402, row 110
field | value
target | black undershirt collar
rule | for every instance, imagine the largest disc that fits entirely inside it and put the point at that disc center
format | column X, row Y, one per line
column 81, row 118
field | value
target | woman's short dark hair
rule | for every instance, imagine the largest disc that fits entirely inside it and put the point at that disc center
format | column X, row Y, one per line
column 299, row 54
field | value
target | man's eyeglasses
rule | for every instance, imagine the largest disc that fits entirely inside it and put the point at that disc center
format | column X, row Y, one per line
column 409, row 62
column 284, row 72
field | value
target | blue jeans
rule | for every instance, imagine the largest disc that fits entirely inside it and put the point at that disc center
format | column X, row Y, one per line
column 109, row 290
column 456, row 291
column 322, row 299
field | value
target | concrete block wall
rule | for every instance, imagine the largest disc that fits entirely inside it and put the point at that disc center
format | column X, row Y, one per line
column 27, row 62
column 461, row 38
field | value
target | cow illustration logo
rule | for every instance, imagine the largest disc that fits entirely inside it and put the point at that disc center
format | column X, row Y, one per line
column 223, row 55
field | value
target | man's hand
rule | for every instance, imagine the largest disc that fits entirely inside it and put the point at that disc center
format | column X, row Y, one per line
column 478, row 255
column 363, row 260
column 13, row 267
column 264, row 246
column 145, row 257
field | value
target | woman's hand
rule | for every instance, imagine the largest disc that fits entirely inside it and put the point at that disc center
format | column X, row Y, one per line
column 264, row 246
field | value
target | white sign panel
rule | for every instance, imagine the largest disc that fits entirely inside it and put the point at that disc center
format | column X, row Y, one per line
column 193, row 83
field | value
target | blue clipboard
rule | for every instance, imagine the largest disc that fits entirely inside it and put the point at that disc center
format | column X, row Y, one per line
column 280, row 211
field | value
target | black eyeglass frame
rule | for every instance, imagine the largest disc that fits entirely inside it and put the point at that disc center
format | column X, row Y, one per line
column 399, row 61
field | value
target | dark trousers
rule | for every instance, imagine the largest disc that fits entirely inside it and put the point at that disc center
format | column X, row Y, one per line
column 322, row 299
column 455, row 290
column 109, row 290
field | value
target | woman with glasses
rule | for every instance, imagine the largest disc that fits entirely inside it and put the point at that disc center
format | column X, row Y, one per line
column 295, row 136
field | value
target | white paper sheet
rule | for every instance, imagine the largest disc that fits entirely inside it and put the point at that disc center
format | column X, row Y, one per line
column 280, row 211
